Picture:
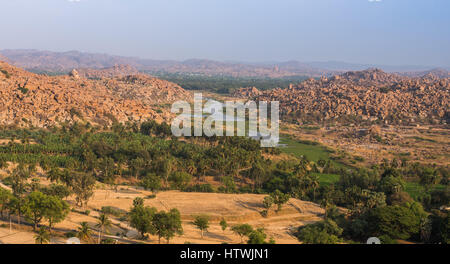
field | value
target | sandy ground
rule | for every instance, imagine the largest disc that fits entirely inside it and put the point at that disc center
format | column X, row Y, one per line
column 235, row 208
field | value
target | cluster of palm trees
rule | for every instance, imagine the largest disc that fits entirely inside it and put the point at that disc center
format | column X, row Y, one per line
column 85, row 232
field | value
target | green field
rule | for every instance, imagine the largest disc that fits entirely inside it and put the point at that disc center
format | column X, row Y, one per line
column 314, row 152
column 414, row 189
column 327, row 179
column 311, row 150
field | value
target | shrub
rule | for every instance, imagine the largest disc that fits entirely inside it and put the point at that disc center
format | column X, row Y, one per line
column 108, row 241
column 400, row 222
column 324, row 232
column 205, row 188
column 70, row 234
column 117, row 212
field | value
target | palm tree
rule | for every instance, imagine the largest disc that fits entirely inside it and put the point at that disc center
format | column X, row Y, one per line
column 42, row 236
column 54, row 175
column 103, row 224
column 84, row 232
column 314, row 185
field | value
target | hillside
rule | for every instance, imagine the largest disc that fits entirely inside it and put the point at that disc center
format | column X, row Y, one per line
column 63, row 62
column 437, row 72
column 118, row 70
column 31, row 99
column 48, row 61
column 371, row 94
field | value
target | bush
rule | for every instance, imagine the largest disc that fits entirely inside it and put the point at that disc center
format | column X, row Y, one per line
column 385, row 239
column 108, row 241
column 151, row 196
column 205, row 188
column 117, row 212
column 7, row 181
column 179, row 180
column 324, row 232
column 70, row 234
column 399, row 222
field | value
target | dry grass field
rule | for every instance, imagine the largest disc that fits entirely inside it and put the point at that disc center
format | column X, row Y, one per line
column 424, row 144
column 234, row 208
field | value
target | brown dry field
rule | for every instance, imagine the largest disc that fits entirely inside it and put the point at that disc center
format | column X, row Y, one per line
column 234, row 208
column 424, row 144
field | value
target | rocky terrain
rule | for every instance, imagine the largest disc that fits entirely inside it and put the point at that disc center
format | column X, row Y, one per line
column 371, row 95
column 118, row 70
column 31, row 99
column 438, row 72
column 63, row 62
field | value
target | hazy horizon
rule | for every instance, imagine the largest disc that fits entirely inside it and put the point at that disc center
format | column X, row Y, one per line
column 373, row 32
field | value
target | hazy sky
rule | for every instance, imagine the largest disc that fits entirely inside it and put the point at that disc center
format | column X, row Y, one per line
column 395, row 32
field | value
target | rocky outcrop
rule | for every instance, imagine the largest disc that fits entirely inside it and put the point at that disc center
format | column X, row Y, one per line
column 370, row 95
column 118, row 70
column 42, row 101
column 248, row 92
column 74, row 73
column 433, row 73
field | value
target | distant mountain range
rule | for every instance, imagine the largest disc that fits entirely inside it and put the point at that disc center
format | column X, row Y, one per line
column 63, row 62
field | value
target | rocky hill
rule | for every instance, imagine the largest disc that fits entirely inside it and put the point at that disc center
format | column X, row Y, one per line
column 48, row 61
column 63, row 62
column 118, row 70
column 371, row 95
column 31, row 99
column 438, row 73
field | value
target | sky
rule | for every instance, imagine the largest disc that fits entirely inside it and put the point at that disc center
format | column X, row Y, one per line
column 387, row 32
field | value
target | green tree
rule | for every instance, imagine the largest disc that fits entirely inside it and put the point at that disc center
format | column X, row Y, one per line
column 136, row 165
column 5, row 200
column 82, row 185
column 54, row 175
column 279, row 199
column 19, row 176
column 391, row 182
column 223, row 224
column 16, row 206
column 141, row 218
column 103, row 224
column 242, row 230
column 202, row 223
column 373, row 199
column 268, row 202
column 56, row 211
column 428, row 177
column 258, row 236
column 35, row 207
column 229, row 184
column 84, row 232
column 58, row 190
column 42, row 236
column 167, row 225
column 107, row 167
column 257, row 173
column 151, row 182
column 324, row 232
column 179, row 180
column 394, row 221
